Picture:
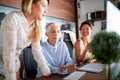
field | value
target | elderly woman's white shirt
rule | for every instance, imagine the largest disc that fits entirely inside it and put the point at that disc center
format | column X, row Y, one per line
column 15, row 32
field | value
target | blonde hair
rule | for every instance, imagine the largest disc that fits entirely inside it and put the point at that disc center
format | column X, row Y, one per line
column 27, row 4
column 37, row 31
column 26, row 8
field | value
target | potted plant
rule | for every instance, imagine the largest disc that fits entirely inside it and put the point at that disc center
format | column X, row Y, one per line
column 105, row 46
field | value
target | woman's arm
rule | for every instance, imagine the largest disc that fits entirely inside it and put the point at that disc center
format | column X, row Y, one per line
column 80, row 57
column 40, row 59
column 57, row 70
column 9, row 47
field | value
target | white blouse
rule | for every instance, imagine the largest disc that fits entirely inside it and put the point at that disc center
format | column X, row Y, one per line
column 88, row 55
column 15, row 31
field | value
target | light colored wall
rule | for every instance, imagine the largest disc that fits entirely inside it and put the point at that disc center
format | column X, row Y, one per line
column 87, row 6
column 7, row 9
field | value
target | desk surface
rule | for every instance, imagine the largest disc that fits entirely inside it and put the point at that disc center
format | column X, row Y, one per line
column 87, row 76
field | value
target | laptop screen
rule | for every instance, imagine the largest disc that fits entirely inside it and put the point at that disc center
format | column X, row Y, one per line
column 113, row 18
column 113, row 24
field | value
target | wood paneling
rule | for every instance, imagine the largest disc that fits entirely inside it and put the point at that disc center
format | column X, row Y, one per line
column 12, row 3
column 63, row 9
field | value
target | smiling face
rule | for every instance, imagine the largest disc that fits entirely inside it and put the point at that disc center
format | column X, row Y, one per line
column 39, row 9
column 53, row 33
column 85, row 30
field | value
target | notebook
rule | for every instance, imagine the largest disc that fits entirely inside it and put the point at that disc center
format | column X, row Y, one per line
column 75, row 75
column 95, row 68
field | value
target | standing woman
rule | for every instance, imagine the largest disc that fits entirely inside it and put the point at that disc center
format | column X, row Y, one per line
column 19, row 30
column 82, row 48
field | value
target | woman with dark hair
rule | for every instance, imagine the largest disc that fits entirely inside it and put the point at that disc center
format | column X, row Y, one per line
column 19, row 30
column 82, row 48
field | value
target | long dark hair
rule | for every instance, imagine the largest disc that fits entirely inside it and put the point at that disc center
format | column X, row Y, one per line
column 85, row 22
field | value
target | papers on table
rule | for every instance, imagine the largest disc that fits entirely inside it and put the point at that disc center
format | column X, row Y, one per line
column 95, row 68
column 74, row 76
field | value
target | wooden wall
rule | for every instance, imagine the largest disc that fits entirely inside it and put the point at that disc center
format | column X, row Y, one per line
column 63, row 9
column 12, row 3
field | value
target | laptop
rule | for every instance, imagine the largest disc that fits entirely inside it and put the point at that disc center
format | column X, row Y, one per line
column 94, row 68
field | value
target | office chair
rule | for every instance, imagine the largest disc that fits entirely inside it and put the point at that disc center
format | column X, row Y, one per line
column 2, row 15
column 30, row 64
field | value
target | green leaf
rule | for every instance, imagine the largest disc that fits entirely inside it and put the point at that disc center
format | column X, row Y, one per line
column 106, row 47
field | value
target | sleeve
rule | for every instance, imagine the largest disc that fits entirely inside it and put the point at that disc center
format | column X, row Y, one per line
column 9, row 47
column 68, row 59
column 56, row 70
column 39, row 57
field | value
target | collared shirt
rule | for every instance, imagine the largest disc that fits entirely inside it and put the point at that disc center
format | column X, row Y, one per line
column 56, row 56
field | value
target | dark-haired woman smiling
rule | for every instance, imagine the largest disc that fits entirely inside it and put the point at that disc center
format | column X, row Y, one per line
column 82, row 48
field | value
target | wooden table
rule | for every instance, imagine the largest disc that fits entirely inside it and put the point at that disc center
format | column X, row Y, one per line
column 93, row 76
column 87, row 76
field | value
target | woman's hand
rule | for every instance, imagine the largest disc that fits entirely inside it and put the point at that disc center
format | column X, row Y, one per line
column 87, row 49
column 92, row 61
column 47, row 75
